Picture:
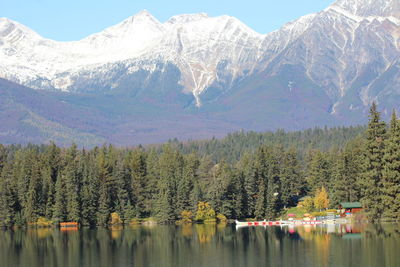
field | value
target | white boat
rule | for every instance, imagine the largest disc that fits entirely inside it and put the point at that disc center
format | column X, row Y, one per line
column 260, row 223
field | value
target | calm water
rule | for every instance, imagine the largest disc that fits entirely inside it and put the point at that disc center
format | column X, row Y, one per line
column 204, row 245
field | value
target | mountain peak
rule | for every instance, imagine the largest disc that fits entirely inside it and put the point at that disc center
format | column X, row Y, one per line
column 143, row 16
column 186, row 18
column 10, row 27
column 366, row 8
column 132, row 30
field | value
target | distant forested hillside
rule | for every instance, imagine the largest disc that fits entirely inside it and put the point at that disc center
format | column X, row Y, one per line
column 245, row 175
column 234, row 145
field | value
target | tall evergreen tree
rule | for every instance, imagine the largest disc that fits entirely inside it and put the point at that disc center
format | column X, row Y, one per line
column 240, row 196
column 107, row 186
column 138, row 181
column 273, row 196
column 152, row 179
column 73, row 185
column 318, row 171
column 391, row 172
column 373, row 166
column 59, row 208
column 246, row 168
column 124, row 207
column 104, row 210
column 168, row 162
column 346, row 172
column 9, row 207
column 261, row 177
column 292, row 183
column 33, row 210
column 185, row 196
column 90, row 189
column 221, row 190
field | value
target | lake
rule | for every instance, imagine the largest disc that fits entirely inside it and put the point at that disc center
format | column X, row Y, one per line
column 204, row 245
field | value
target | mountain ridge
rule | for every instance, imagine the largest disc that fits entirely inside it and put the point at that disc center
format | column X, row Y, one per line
column 324, row 68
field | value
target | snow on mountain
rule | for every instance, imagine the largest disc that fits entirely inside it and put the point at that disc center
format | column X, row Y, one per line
column 334, row 46
column 144, row 77
column 368, row 8
column 195, row 43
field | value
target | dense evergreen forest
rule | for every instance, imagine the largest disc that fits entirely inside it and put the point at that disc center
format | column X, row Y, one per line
column 233, row 146
column 244, row 175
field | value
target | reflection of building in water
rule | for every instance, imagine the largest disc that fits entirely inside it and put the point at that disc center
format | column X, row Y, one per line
column 331, row 228
column 351, row 231
column 340, row 229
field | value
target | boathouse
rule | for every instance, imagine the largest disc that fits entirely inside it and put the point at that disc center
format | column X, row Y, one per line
column 351, row 207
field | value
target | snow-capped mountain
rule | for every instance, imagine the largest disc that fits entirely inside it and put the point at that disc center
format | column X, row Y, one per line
column 324, row 68
column 196, row 44
column 351, row 50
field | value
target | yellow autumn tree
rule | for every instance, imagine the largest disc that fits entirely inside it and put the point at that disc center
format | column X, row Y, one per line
column 308, row 204
column 204, row 212
column 186, row 217
column 115, row 219
column 321, row 200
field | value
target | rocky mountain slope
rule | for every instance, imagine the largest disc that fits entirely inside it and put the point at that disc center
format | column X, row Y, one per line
column 216, row 74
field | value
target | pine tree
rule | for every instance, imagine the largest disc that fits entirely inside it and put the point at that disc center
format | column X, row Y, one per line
column 339, row 180
column 346, row 174
column 107, row 185
column 33, row 209
column 90, row 190
column 23, row 166
column 373, row 166
column 240, row 196
column 122, row 173
column 186, row 183
column 391, row 172
column 273, row 196
column 73, row 185
column 50, row 170
column 246, row 167
column 166, row 186
column 259, row 211
column 59, row 208
column 292, row 183
column 221, row 190
column 104, row 210
column 129, row 213
column 151, row 189
column 318, row 171
column 261, row 177
column 8, row 197
column 138, row 181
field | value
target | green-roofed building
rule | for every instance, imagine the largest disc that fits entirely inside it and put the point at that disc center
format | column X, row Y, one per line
column 351, row 207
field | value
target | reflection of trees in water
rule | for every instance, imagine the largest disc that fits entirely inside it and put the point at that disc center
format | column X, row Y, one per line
column 205, row 232
column 187, row 230
column 200, row 245
column 385, row 230
column 381, row 242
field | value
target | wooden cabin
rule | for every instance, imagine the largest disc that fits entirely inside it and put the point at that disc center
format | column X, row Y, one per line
column 351, row 207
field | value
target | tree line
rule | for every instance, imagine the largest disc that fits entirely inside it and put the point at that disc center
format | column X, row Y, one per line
column 86, row 186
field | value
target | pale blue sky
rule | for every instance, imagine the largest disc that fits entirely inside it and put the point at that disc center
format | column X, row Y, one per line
column 74, row 19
